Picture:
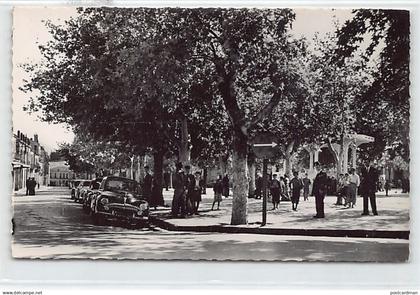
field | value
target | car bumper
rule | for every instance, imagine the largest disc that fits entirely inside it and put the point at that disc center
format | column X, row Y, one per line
column 117, row 216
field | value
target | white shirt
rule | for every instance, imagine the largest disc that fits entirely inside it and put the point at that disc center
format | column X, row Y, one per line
column 354, row 178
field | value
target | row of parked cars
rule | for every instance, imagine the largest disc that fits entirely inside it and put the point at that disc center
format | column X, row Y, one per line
column 111, row 198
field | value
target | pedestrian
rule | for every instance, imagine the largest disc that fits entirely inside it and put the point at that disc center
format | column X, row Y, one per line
column 258, row 186
column 32, row 185
column 156, row 197
column 189, row 185
column 319, row 190
column 226, row 186
column 296, row 186
column 306, row 184
column 27, row 183
column 346, row 194
column 196, row 191
column 217, row 189
column 354, row 182
column 147, row 184
column 178, row 201
column 368, row 188
column 275, row 188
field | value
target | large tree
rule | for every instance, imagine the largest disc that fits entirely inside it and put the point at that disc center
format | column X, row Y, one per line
column 382, row 37
column 125, row 75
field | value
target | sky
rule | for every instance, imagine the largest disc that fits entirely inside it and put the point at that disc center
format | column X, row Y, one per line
column 29, row 31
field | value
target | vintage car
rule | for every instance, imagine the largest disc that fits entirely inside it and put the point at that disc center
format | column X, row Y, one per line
column 83, row 185
column 73, row 185
column 89, row 193
column 119, row 199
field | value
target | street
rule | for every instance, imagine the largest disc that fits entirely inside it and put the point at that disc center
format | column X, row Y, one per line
column 51, row 225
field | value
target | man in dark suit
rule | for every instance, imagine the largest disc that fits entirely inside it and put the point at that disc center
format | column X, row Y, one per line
column 189, row 185
column 178, row 183
column 319, row 190
column 147, row 184
column 368, row 185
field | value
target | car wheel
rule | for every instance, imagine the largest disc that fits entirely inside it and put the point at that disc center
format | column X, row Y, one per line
column 143, row 224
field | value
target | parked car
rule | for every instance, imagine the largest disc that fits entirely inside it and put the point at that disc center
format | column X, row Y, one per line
column 89, row 193
column 73, row 185
column 120, row 199
column 84, row 184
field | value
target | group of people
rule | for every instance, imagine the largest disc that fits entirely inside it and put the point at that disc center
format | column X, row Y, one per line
column 347, row 187
column 30, row 186
column 187, row 191
column 350, row 185
column 284, row 189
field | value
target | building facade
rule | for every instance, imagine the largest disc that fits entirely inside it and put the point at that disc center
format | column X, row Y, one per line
column 59, row 174
column 29, row 159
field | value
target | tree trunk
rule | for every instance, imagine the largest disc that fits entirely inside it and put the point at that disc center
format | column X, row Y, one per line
column 184, row 147
column 240, row 180
column 223, row 164
column 338, row 156
column 140, row 168
column 205, row 172
column 252, row 170
column 288, row 156
column 157, row 193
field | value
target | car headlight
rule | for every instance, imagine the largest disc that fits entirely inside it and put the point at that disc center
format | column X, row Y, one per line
column 104, row 201
column 143, row 207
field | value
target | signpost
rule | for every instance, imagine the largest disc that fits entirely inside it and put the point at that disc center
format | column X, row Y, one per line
column 264, row 146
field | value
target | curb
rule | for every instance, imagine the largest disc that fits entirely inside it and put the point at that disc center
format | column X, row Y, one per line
column 382, row 234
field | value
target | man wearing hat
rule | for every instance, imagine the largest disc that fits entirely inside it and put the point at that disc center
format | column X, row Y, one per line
column 319, row 190
column 178, row 182
column 189, row 185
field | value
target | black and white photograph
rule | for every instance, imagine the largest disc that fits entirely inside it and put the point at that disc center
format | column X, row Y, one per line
column 215, row 134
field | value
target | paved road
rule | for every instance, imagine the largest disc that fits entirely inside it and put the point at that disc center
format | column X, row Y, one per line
column 51, row 225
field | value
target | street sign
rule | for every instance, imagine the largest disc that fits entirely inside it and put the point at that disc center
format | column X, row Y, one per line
column 264, row 146
column 273, row 144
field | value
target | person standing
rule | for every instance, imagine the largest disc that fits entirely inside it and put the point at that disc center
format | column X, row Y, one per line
column 226, row 186
column 178, row 201
column 354, row 182
column 319, row 190
column 196, row 192
column 275, row 188
column 147, row 184
column 217, row 189
column 306, row 184
column 368, row 188
column 189, row 185
column 295, row 187
column 27, row 183
column 32, row 185
column 346, row 194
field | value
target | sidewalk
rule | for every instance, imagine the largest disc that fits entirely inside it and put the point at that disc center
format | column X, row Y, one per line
column 392, row 222
column 41, row 189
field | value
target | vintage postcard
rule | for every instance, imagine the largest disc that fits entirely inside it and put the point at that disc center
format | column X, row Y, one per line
column 211, row 134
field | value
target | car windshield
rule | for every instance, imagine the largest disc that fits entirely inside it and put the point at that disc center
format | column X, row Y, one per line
column 86, row 183
column 121, row 184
